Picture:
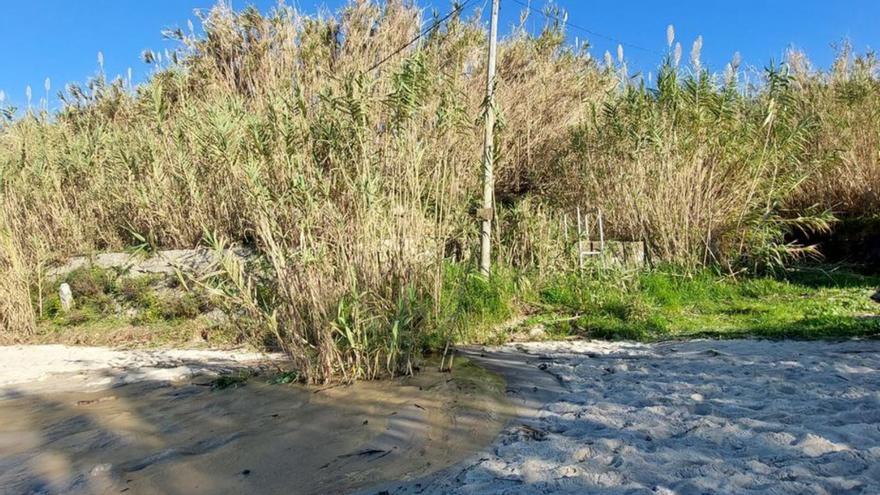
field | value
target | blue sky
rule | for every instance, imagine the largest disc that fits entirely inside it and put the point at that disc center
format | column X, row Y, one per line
column 60, row 39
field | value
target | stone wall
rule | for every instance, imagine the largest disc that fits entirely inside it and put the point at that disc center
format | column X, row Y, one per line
column 166, row 263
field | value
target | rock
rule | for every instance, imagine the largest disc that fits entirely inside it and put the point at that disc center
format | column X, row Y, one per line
column 66, row 296
column 537, row 332
column 815, row 445
column 100, row 469
column 216, row 317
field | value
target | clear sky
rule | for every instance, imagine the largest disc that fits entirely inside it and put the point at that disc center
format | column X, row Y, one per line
column 60, row 39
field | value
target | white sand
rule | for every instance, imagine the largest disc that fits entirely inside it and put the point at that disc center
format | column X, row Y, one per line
column 34, row 366
column 696, row 417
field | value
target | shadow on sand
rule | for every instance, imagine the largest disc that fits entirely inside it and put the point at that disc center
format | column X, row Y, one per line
column 158, row 437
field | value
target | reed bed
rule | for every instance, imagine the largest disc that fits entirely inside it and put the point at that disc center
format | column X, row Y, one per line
column 358, row 184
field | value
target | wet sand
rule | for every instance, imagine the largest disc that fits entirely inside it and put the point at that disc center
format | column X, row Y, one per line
column 121, row 429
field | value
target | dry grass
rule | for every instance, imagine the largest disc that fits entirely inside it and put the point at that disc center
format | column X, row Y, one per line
column 16, row 311
column 846, row 103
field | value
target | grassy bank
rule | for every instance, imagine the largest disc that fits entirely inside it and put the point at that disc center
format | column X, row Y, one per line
column 815, row 302
column 113, row 308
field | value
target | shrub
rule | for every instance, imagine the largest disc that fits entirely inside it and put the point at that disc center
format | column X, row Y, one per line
column 90, row 282
column 137, row 291
column 181, row 306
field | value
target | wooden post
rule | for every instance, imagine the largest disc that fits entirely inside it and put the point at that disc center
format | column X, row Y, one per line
column 565, row 226
column 587, row 236
column 580, row 243
column 488, row 150
column 601, row 237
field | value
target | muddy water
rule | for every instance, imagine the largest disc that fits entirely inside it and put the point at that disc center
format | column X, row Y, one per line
column 157, row 437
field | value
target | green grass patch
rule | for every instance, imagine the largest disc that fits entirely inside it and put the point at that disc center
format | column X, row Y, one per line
column 102, row 294
column 286, row 377
column 664, row 304
column 137, row 291
column 470, row 305
column 232, row 380
column 111, row 308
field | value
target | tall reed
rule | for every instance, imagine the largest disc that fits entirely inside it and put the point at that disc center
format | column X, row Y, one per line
column 358, row 185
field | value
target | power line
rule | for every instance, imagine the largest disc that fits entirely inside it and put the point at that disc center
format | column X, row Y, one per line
column 590, row 31
column 421, row 34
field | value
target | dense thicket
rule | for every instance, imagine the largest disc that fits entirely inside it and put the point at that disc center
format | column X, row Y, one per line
column 359, row 185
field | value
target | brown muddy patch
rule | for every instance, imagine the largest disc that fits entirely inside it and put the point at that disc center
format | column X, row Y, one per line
column 160, row 437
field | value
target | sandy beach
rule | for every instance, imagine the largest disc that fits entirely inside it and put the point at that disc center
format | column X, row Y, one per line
column 740, row 416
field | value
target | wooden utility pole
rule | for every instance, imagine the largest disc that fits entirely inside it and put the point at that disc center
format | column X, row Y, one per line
column 488, row 209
